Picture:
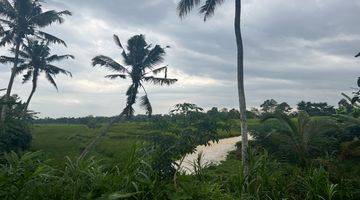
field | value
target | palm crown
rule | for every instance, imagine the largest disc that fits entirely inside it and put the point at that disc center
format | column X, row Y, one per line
column 20, row 19
column 207, row 9
column 141, row 64
column 36, row 58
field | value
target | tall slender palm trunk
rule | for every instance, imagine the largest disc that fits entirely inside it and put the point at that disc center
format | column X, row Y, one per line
column 101, row 134
column 11, row 82
column 34, row 85
column 241, row 88
column 105, row 129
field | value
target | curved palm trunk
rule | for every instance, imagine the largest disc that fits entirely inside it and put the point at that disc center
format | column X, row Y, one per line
column 34, row 85
column 11, row 82
column 241, row 89
column 102, row 133
column 105, row 129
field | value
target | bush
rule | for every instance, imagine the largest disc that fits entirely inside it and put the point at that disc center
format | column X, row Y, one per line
column 25, row 177
column 15, row 132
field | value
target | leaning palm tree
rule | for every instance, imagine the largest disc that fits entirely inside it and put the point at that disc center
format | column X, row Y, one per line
column 36, row 58
column 141, row 65
column 20, row 19
column 207, row 10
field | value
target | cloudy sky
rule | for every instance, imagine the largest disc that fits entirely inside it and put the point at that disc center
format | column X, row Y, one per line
column 294, row 50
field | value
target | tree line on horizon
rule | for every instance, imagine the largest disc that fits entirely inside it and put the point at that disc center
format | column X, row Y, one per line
column 267, row 107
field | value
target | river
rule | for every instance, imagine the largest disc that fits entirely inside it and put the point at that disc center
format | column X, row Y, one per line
column 212, row 154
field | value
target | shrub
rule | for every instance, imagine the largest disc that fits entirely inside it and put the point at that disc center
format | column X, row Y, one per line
column 25, row 177
column 15, row 132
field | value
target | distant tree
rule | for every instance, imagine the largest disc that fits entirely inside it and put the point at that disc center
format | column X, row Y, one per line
column 283, row 108
column 269, row 106
column 91, row 122
column 256, row 112
column 251, row 115
column 224, row 110
column 208, row 10
column 302, row 105
column 213, row 111
column 36, row 58
column 185, row 109
column 141, row 65
column 234, row 114
column 21, row 19
column 316, row 109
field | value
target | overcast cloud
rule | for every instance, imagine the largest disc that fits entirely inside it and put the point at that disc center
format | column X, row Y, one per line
column 294, row 50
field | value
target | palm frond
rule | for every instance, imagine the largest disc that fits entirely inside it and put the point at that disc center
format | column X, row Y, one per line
column 5, row 22
column 160, row 81
column 108, row 62
column 22, row 54
column 128, row 111
column 6, row 59
column 50, row 38
column 117, row 41
column 185, row 6
column 54, row 70
column 65, row 12
column 47, row 18
column 154, row 57
column 159, row 70
column 21, row 68
column 208, row 9
column 7, row 10
column 145, row 103
column 282, row 118
column 114, row 76
column 27, row 76
column 59, row 58
column 7, row 37
column 51, row 80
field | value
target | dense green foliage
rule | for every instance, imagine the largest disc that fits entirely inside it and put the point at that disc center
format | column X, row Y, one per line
column 15, row 131
column 136, row 160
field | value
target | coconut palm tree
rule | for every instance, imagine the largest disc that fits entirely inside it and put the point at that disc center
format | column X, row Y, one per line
column 20, row 19
column 36, row 58
column 207, row 9
column 141, row 65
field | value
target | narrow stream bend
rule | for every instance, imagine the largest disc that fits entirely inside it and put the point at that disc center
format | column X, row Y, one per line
column 213, row 154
